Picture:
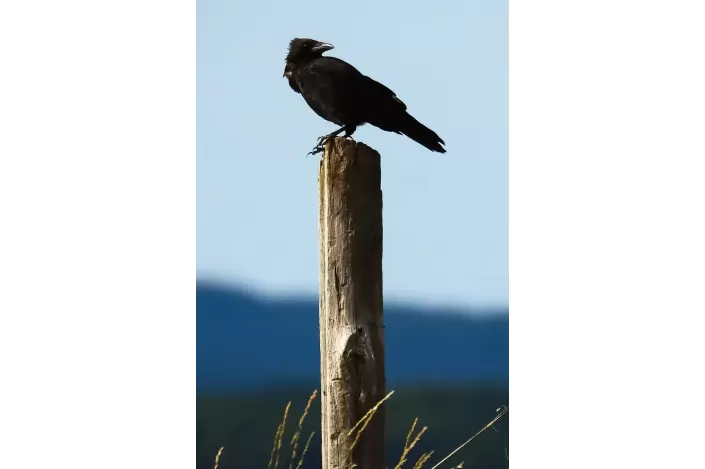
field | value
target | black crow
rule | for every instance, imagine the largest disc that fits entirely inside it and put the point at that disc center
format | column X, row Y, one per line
column 339, row 93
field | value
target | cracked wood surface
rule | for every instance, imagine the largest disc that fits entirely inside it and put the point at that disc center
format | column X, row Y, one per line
column 350, row 305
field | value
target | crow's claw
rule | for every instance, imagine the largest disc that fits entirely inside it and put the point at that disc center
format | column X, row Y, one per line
column 321, row 145
column 317, row 149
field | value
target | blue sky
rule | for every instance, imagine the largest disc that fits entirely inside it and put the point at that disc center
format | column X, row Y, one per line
column 445, row 216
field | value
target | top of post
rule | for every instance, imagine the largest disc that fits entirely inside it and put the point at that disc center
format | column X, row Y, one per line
column 342, row 152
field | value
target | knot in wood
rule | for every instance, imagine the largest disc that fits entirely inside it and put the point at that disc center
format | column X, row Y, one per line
column 359, row 360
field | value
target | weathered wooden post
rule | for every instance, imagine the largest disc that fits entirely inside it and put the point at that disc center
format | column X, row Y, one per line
column 350, row 308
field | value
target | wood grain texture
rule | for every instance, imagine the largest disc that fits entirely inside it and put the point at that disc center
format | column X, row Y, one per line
column 350, row 309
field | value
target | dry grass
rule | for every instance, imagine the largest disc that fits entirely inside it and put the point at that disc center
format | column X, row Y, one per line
column 278, row 438
column 366, row 420
column 423, row 459
column 217, row 457
column 294, row 444
column 408, row 447
column 297, row 435
column 308, row 442
column 502, row 411
column 356, row 431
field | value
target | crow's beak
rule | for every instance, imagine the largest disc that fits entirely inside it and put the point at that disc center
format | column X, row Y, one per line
column 322, row 47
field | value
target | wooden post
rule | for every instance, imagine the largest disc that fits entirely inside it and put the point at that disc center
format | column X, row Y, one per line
column 350, row 308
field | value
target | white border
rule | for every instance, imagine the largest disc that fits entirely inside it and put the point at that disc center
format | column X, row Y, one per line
column 97, row 250
column 606, row 233
column 97, row 239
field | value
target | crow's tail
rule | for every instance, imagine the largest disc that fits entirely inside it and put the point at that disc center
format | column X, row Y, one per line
column 419, row 133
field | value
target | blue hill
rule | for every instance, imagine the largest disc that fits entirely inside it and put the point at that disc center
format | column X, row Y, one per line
column 246, row 341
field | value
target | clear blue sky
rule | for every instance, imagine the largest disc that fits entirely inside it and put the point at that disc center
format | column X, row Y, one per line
column 445, row 216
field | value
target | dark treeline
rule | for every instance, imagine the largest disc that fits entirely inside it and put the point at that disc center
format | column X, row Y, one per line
column 245, row 425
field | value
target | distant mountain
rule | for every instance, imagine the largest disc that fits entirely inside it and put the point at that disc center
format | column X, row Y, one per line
column 247, row 342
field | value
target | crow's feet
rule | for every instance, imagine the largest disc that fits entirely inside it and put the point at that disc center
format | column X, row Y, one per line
column 316, row 150
column 321, row 145
column 322, row 141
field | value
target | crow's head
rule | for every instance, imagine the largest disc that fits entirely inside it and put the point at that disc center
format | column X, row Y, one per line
column 302, row 49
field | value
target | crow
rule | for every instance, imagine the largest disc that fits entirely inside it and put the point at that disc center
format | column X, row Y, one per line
column 339, row 93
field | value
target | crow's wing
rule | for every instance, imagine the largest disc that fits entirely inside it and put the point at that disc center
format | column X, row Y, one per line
column 382, row 108
column 331, row 87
